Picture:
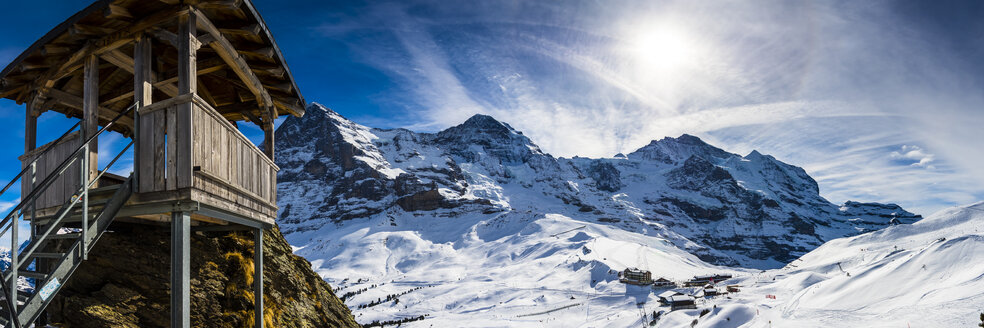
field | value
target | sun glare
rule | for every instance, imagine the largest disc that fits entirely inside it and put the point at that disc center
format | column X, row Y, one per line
column 662, row 48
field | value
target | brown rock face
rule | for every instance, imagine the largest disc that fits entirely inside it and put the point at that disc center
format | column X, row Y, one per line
column 125, row 283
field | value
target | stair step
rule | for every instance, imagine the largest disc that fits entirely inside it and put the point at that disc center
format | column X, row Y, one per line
column 48, row 255
column 22, row 297
column 71, row 235
column 110, row 189
column 33, row 274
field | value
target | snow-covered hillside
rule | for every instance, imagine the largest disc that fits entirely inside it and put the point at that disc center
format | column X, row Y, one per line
column 927, row 274
column 527, row 270
column 752, row 211
column 476, row 226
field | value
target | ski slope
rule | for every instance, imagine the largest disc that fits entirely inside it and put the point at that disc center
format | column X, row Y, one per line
column 525, row 270
column 927, row 274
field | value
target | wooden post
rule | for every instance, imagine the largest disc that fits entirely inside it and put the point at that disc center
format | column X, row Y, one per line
column 187, row 83
column 268, row 139
column 258, row 277
column 142, row 93
column 180, row 270
column 90, row 110
column 31, row 127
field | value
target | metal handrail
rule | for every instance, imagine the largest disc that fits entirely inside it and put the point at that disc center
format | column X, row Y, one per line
column 61, row 168
column 37, row 157
column 27, row 252
column 9, row 221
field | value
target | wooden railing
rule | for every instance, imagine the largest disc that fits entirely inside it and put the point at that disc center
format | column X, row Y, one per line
column 226, row 163
column 62, row 188
column 221, row 162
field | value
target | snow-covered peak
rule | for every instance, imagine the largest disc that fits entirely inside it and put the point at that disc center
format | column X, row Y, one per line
column 726, row 209
column 676, row 150
column 487, row 124
column 482, row 136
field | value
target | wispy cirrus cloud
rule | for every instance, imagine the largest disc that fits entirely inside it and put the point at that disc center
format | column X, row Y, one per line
column 874, row 106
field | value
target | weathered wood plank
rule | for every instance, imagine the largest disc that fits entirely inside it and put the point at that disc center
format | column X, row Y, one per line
column 187, row 84
column 160, row 150
column 146, row 163
column 90, row 111
column 172, row 155
column 143, row 93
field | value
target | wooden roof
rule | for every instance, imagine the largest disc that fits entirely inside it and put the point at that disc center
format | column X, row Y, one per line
column 239, row 64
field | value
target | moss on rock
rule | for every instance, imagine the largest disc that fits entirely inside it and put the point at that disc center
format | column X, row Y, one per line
column 125, row 283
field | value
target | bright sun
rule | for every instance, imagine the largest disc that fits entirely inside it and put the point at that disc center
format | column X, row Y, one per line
column 662, row 49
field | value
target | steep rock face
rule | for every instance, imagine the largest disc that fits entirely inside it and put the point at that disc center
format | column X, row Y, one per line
column 729, row 209
column 125, row 283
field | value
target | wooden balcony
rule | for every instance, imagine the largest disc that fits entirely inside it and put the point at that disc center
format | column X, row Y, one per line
column 211, row 163
column 225, row 175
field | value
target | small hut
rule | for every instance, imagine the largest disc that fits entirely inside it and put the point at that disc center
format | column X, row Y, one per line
column 710, row 290
column 663, row 283
column 680, row 302
column 664, row 297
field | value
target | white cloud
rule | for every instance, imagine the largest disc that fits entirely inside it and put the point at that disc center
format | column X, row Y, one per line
column 832, row 87
column 916, row 154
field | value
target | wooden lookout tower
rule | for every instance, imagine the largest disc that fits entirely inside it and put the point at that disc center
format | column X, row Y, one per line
column 176, row 78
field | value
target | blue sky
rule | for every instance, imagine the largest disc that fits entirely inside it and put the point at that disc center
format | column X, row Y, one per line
column 877, row 100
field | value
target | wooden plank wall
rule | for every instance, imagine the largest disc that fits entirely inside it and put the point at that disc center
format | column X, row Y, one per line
column 61, row 189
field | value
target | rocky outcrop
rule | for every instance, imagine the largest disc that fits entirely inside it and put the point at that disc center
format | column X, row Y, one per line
column 125, row 283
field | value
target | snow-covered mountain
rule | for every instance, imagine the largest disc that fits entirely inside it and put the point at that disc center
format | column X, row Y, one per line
column 475, row 226
column 927, row 274
column 751, row 211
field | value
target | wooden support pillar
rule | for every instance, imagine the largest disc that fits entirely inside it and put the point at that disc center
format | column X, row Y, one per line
column 268, row 139
column 180, row 270
column 144, row 167
column 187, row 83
column 258, row 277
column 90, row 110
column 31, row 126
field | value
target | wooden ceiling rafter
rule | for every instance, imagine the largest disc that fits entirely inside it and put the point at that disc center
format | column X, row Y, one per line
column 235, row 34
column 228, row 53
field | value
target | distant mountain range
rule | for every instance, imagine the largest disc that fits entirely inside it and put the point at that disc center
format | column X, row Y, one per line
column 752, row 211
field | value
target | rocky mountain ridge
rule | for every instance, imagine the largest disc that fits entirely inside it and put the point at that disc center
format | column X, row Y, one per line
column 753, row 210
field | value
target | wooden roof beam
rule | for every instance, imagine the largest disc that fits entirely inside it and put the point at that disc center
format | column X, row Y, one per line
column 277, row 72
column 88, row 30
column 54, row 49
column 222, row 4
column 57, row 72
column 253, row 29
column 108, row 43
column 165, row 35
column 292, row 106
column 125, row 62
column 228, row 53
column 266, row 53
column 74, row 101
column 113, row 11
